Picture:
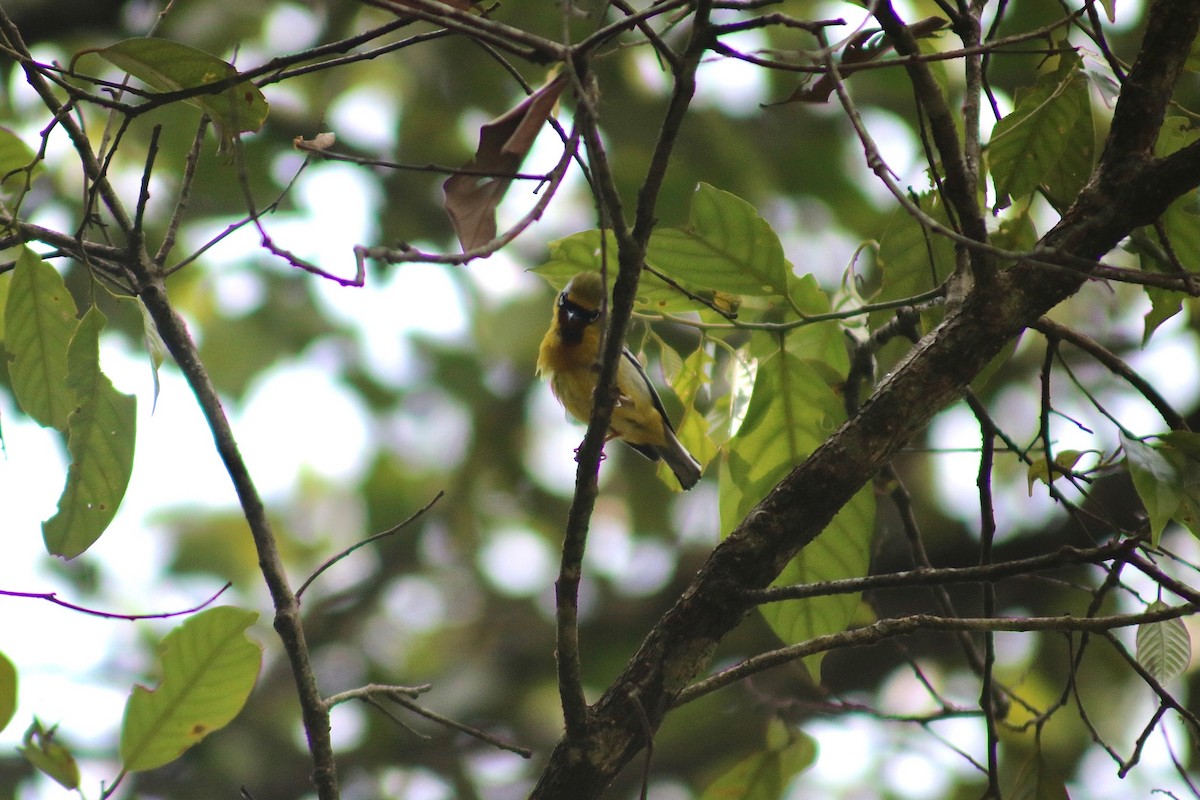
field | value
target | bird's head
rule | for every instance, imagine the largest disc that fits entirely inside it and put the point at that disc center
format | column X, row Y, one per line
column 579, row 305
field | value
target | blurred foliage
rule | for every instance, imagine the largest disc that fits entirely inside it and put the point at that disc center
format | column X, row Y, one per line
column 460, row 412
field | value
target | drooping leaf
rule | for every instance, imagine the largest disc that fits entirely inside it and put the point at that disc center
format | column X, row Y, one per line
column 471, row 199
column 766, row 774
column 209, row 667
column 49, row 755
column 1164, row 648
column 172, row 66
column 725, row 246
column 156, row 348
column 1167, row 480
column 8, row 691
column 101, row 432
column 1179, row 230
column 792, row 410
column 842, row 550
column 39, row 322
column 1155, row 480
column 1047, row 140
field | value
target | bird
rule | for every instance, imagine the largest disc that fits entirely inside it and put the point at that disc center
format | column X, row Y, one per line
column 569, row 359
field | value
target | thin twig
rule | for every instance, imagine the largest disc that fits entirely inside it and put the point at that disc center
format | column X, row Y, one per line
column 52, row 597
column 369, row 540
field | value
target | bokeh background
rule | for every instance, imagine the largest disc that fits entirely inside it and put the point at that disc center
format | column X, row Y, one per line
column 355, row 407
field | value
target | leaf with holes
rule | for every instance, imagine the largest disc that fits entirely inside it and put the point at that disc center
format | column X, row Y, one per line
column 101, row 430
column 209, row 667
column 1164, row 648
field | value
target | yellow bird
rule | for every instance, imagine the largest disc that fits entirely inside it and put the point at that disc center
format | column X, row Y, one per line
column 569, row 358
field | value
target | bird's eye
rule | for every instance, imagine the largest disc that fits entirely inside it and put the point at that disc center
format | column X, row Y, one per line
column 562, row 299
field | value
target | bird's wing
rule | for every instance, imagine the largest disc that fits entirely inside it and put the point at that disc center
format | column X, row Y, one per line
column 648, row 386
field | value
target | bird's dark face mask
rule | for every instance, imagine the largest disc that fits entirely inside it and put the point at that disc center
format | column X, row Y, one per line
column 573, row 319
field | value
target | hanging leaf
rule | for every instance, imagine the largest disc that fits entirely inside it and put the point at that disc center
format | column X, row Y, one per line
column 46, row 753
column 471, row 199
column 1164, row 648
column 101, row 431
column 1167, row 480
column 792, row 410
column 8, row 691
column 39, row 322
column 1046, row 140
column 172, row 66
column 208, row 670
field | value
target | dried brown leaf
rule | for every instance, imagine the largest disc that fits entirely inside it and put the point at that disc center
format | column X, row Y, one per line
column 470, row 198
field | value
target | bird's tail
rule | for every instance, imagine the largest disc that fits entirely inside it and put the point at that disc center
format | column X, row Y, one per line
column 681, row 462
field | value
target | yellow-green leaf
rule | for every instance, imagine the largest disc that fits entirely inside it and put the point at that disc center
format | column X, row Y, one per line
column 172, row 66
column 209, row 667
column 1039, row 469
column 1164, row 648
column 48, row 754
column 8, row 691
column 39, row 322
column 101, row 432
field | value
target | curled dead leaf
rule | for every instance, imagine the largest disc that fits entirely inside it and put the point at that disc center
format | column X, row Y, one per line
column 471, row 196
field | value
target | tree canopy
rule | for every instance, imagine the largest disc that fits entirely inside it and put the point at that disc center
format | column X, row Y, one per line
column 914, row 280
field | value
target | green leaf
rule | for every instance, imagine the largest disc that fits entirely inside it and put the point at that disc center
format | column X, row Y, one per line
column 101, row 432
column 581, row 252
column 171, row 66
column 1164, row 648
column 1154, row 479
column 39, row 323
column 1039, row 469
column 726, row 246
column 209, row 667
column 1167, row 480
column 765, row 775
column 15, row 158
column 792, row 410
column 1047, row 140
column 1181, row 227
column 49, row 755
column 842, row 550
column 8, row 691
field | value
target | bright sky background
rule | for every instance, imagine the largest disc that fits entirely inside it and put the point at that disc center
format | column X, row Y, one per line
column 76, row 670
